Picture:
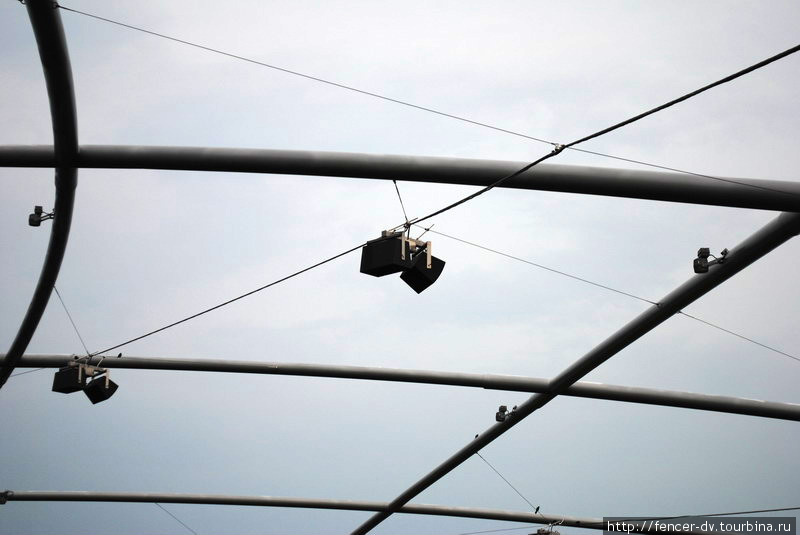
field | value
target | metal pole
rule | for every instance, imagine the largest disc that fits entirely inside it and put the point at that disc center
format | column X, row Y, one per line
column 306, row 503
column 662, row 186
column 515, row 383
column 52, row 44
column 776, row 232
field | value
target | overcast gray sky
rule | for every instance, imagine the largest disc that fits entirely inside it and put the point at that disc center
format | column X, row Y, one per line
column 149, row 247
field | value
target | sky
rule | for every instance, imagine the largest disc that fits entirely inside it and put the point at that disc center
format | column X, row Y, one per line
column 150, row 247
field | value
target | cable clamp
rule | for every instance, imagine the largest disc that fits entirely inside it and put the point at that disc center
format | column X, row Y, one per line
column 4, row 496
column 86, row 369
column 558, row 147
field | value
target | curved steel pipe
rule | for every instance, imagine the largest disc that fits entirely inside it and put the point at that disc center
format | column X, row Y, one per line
column 514, row 383
column 306, row 503
column 52, row 44
column 660, row 186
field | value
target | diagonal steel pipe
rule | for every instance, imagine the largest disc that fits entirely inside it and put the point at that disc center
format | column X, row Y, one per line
column 776, row 232
column 515, row 383
column 662, row 186
column 311, row 503
column 52, row 44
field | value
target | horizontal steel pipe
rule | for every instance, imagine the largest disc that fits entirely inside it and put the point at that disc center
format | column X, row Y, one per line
column 515, row 383
column 304, row 503
column 662, row 186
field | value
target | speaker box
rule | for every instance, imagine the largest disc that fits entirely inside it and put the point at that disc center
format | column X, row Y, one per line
column 68, row 380
column 419, row 276
column 96, row 390
column 384, row 256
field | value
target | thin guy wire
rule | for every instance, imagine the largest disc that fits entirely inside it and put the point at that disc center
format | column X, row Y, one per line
column 175, row 517
column 63, row 304
column 27, row 371
column 308, row 76
column 415, row 106
column 540, row 266
column 685, row 172
column 504, row 479
column 401, row 200
column 426, row 230
column 608, row 288
column 739, row 336
column 71, row 320
column 229, row 301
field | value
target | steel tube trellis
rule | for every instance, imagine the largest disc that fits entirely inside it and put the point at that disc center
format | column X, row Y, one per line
column 662, row 186
column 52, row 44
column 776, row 232
column 514, row 383
column 311, row 503
column 66, row 156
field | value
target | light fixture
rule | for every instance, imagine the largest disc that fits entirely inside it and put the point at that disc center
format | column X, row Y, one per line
column 701, row 263
column 35, row 219
column 393, row 252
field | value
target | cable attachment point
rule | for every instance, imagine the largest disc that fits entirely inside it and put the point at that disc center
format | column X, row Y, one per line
column 407, row 226
column 557, row 148
column 35, row 219
column 5, row 495
column 701, row 263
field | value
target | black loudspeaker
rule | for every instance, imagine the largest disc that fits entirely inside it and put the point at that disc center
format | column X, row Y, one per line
column 384, row 256
column 419, row 276
column 700, row 265
column 68, row 379
column 97, row 391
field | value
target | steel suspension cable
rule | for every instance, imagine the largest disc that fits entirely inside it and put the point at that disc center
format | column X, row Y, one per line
column 229, row 301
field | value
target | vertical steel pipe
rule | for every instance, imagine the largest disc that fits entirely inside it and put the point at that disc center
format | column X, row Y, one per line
column 52, row 44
